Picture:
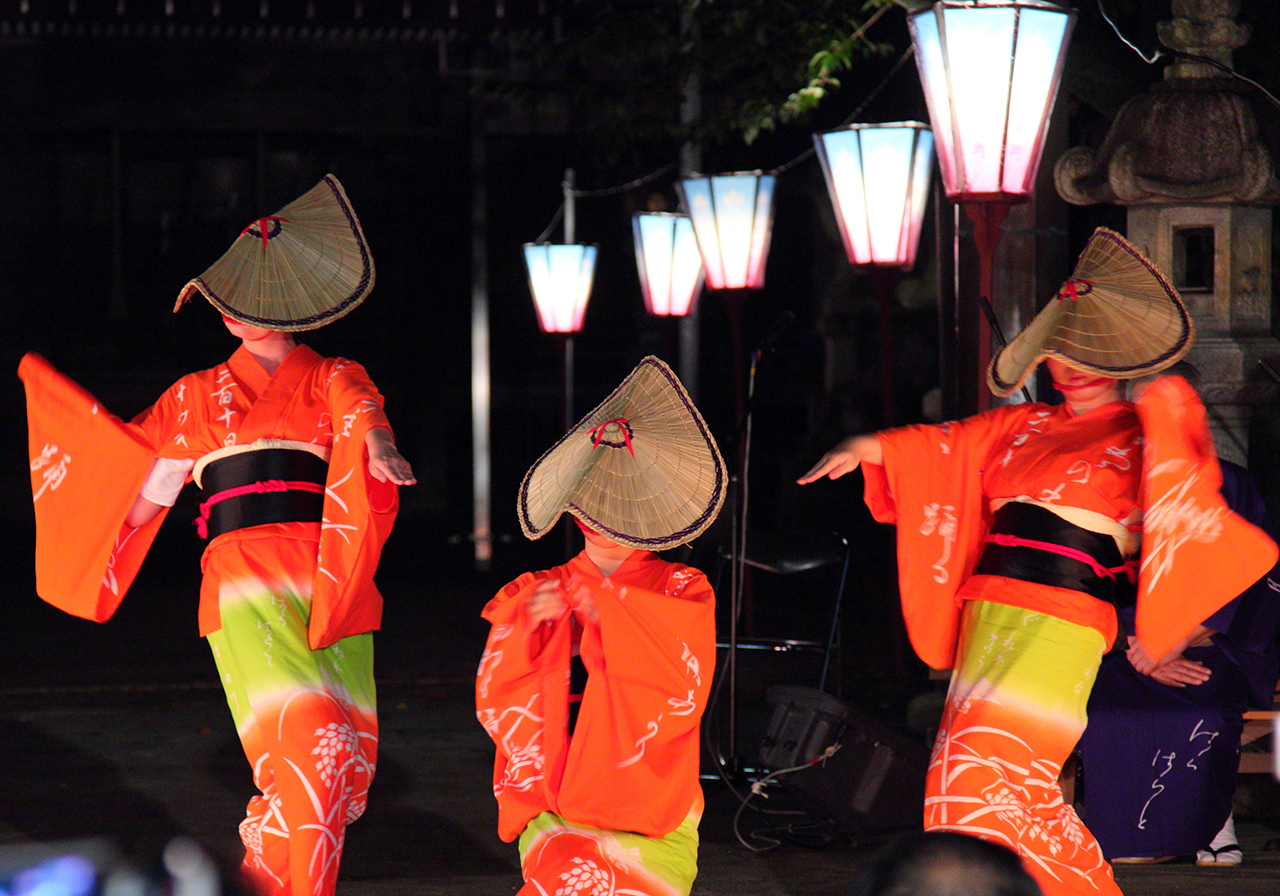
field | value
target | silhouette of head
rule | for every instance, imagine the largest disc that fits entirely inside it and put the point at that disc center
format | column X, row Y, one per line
column 942, row 863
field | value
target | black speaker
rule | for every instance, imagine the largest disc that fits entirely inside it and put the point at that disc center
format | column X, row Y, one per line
column 874, row 784
column 804, row 723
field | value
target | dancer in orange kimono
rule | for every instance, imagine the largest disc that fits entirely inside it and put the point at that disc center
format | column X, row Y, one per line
column 596, row 673
column 300, row 470
column 1020, row 530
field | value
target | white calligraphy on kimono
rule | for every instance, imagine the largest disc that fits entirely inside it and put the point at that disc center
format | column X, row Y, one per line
column 1173, row 519
column 54, row 469
column 1035, row 425
column 492, row 656
column 940, row 519
column 680, row 706
column 1156, row 787
column 1117, row 457
column 1208, row 744
column 109, row 580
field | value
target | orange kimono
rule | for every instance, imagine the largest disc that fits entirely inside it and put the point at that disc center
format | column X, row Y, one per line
column 287, row 607
column 87, row 467
column 1025, row 653
column 622, row 792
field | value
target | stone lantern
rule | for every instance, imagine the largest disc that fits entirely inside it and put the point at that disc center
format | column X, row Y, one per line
column 1194, row 161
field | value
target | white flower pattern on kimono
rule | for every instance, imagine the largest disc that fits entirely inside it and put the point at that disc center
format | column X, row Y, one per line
column 586, row 876
column 1072, row 829
column 338, row 743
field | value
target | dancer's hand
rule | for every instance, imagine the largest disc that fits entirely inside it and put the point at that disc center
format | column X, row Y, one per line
column 845, row 458
column 385, row 462
column 547, row 602
column 584, row 607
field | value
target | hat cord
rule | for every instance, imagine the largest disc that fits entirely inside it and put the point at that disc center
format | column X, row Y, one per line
column 262, row 227
column 1072, row 289
column 597, row 434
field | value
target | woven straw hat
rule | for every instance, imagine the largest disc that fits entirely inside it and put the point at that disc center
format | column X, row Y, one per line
column 641, row 469
column 298, row 269
column 1116, row 317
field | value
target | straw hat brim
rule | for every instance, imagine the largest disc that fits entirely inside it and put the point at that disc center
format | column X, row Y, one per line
column 642, row 468
column 1117, row 316
column 311, row 267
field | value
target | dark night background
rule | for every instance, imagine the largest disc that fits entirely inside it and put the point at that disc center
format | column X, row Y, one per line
column 138, row 138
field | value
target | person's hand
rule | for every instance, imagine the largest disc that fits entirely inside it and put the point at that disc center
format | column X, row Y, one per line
column 845, row 458
column 1142, row 664
column 1174, row 670
column 1180, row 672
column 584, row 607
column 386, row 463
column 547, row 602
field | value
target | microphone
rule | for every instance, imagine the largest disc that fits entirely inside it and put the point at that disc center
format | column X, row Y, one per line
column 786, row 320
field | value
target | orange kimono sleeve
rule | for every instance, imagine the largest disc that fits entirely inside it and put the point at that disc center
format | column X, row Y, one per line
column 650, row 662
column 359, row 512
column 930, row 486
column 86, row 469
column 1196, row 553
column 522, row 694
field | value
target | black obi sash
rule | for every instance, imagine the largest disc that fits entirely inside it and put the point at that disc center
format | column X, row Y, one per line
column 253, row 488
column 1033, row 544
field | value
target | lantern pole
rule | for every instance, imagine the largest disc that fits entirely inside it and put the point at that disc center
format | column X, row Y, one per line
column 566, row 345
column 987, row 217
column 567, row 338
column 884, row 282
column 687, row 330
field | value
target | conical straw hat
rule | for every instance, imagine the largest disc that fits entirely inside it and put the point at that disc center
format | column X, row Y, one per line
column 298, row 269
column 1116, row 317
column 641, row 469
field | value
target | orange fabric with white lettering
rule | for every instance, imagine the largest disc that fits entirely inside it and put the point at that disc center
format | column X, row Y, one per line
column 328, row 401
column 1196, row 553
column 632, row 763
column 86, row 468
column 937, row 483
column 930, row 486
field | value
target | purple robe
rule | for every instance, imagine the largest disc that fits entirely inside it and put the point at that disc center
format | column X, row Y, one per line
column 1159, row 764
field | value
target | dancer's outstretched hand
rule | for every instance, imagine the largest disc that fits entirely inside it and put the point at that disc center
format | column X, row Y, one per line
column 386, row 464
column 845, row 458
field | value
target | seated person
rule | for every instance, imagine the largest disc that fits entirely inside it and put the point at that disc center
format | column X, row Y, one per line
column 596, row 673
column 1162, row 747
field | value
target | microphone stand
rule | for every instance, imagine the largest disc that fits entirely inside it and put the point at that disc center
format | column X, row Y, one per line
column 738, row 535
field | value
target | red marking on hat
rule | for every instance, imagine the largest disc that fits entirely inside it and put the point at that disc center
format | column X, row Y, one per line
column 623, row 424
column 262, row 227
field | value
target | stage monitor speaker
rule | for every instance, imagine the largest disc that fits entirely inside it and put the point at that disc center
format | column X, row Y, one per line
column 874, row 784
column 804, row 723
